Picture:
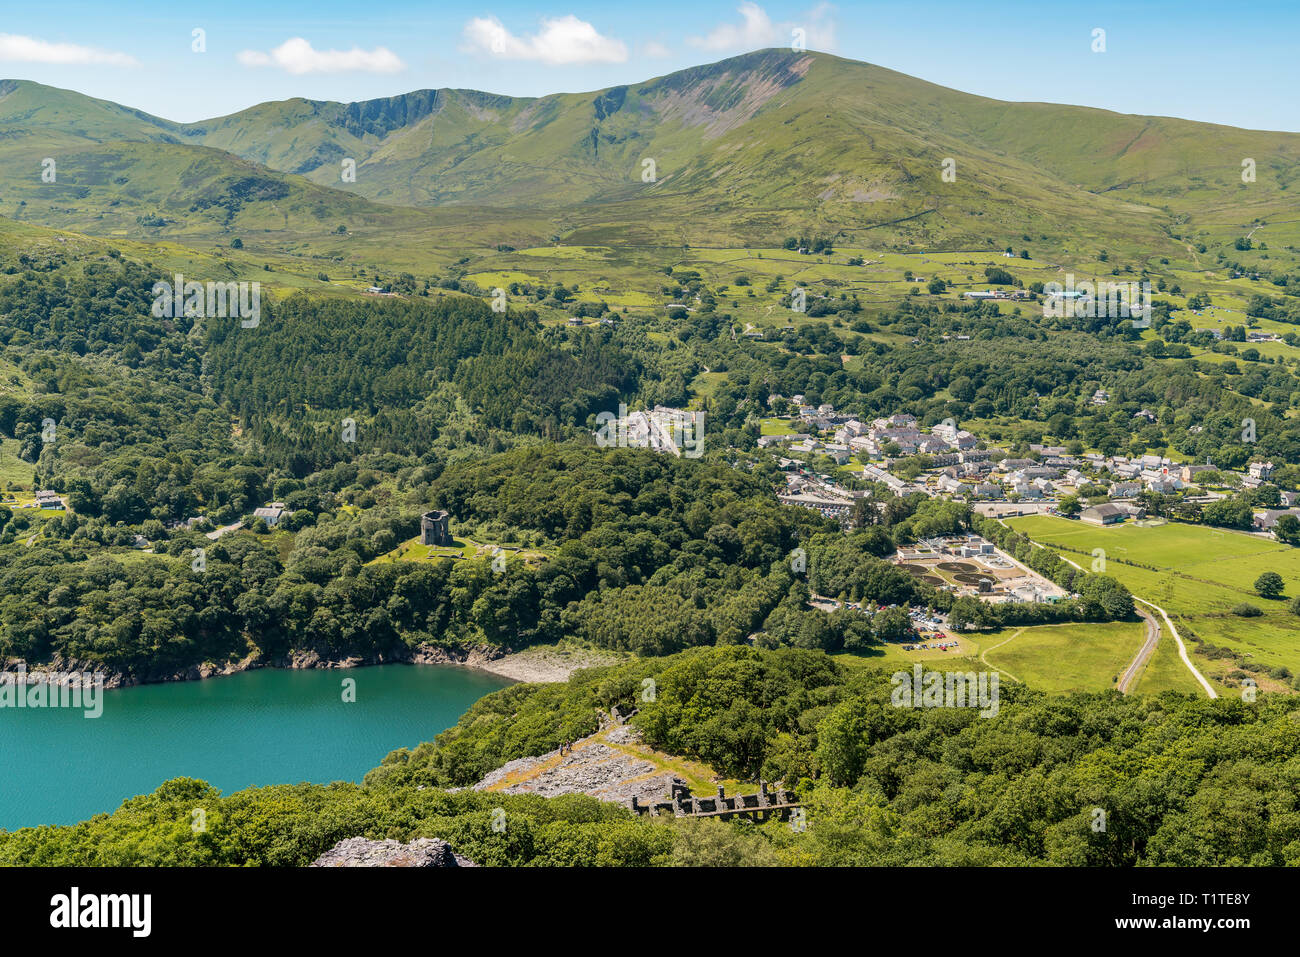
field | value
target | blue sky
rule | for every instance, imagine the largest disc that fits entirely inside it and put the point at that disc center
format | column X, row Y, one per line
column 1223, row 63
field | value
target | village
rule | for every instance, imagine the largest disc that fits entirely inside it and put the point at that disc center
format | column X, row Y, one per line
column 838, row 465
column 831, row 460
column 946, row 461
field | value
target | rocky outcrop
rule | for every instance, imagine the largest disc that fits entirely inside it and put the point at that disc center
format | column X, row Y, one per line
column 478, row 657
column 591, row 767
column 361, row 852
column 544, row 664
column 114, row 678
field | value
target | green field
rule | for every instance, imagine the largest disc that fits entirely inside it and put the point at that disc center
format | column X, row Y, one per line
column 412, row 551
column 1061, row 658
column 1165, row 671
column 778, row 427
column 1198, row 574
column 14, row 472
column 1053, row 658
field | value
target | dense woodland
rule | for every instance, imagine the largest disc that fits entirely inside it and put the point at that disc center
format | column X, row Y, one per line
column 644, row 552
column 488, row 415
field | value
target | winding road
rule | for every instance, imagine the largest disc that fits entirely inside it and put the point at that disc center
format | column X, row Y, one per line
column 1144, row 653
column 1182, row 649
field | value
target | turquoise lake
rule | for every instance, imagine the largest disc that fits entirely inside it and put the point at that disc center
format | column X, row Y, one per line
column 268, row 726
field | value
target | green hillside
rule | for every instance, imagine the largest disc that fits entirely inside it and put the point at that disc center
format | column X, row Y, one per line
column 756, row 145
column 157, row 190
column 33, row 111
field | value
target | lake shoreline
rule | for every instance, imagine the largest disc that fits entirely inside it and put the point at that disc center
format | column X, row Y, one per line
column 545, row 664
column 261, row 727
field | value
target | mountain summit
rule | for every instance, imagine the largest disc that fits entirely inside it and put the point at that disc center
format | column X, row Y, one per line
column 764, row 141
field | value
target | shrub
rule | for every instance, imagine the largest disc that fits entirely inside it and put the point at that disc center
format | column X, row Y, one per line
column 1269, row 585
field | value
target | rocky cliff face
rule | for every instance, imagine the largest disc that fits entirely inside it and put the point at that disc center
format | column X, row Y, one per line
column 360, row 852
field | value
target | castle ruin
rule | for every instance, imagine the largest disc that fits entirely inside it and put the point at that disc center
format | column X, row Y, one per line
column 435, row 528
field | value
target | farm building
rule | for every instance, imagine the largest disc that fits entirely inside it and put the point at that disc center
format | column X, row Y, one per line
column 1107, row 514
column 48, row 499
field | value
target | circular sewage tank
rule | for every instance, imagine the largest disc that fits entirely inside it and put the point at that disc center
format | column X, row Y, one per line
column 957, row 567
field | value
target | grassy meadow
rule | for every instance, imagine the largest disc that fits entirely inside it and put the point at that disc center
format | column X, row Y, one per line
column 1054, row 658
column 1197, row 574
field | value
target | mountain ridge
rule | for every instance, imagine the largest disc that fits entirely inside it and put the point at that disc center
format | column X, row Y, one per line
column 769, row 140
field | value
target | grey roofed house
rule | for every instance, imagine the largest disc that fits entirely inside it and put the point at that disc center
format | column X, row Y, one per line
column 1265, row 520
column 271, row 513
column 1107, row 514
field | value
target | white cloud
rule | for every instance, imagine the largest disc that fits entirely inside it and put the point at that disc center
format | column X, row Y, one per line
column 561, row 41
column 757, row 30
column 14, row 47
column 298, row 56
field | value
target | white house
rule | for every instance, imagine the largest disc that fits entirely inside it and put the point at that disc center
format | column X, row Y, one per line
column 271, row 513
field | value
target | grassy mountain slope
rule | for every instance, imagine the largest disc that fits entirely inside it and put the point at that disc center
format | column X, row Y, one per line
column 166, row 190
column 744, row 149
column 686, row 118
column 775, row 130
column 34, row 112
